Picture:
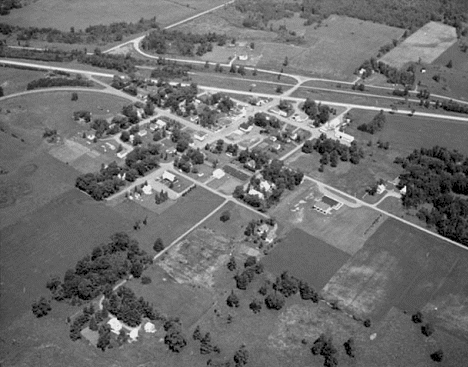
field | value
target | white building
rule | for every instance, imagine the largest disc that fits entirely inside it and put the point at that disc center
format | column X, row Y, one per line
column 169, row 176
column 115, row 325
column 161, row 124
column 149, row 328
column 343, row 137
column 254, row 192
column 218, row 173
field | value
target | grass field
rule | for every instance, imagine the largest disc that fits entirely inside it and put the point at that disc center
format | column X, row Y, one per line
column 306, row 257
column 426, row 44
column 15, row 80
column 174, row 221
column 407, row 133
column 63, row 15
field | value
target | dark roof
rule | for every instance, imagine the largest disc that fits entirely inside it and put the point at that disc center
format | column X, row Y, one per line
column 329, row 201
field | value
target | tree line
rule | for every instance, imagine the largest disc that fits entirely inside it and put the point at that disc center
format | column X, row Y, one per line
column 95, row 34
column 405, row 77
column 436, row 183
column 58, row 82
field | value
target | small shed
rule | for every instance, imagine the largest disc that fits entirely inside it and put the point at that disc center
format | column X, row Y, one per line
column 218, row 173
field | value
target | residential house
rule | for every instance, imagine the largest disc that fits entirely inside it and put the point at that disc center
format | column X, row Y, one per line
column 218, row 173
column 254, row 192
column 115, row 325
column 169, row 176
column 245, row 127
column 380, row 189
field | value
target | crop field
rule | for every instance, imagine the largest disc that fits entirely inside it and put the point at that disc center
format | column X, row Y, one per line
column 63, row 15
column 47, row 242
column 405, row 133
column 407, row 268
column 426, row 44
column 346, row 229
column 306, row 257
column 174, row 221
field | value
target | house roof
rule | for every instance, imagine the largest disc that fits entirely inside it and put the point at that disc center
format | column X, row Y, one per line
column 329, row 201
column 168, row 176
column 115, row 325
column 322, row 206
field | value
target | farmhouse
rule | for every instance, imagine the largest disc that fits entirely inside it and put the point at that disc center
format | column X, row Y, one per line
column 149, row 328
column 380, row 189
column 115, row 325
column 278, row 112
column 161, row 124
column 142, row 133
column 169, row 176
column 265, row 185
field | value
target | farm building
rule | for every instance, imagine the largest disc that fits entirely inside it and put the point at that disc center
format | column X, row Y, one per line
column 169, row 176
column 265, row 185
column 142, row 133
column 149, row 328
column 218, row 173
column 343, row 137
column 326, row 204
column 278, row 112
column 380, row 189
column 161, row 124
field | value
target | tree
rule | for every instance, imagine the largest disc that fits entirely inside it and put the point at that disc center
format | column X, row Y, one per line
column 207, row 65
column 242, row 281
column 367, row 323
column 450, row 64
column 174, row 338
column 427, row 329
column 255, row 306
column 241, row 357
column 41, row 307
column 286, row 61
column 225, row 216
column 437, row 356
column 158, row 245
column 104, row 337
column 417, row 318
column 93, row 325
column 197, row 333
column 231, row 265
column 275, row 301
column 232, row 300
column 74, row 96
column 349, row 347
column 279, row 89
column 250, row 261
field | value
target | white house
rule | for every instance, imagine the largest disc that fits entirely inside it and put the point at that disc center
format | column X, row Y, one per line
column 169, row 176
column 218, row 173
column 115, row 325
column 243, row 57
column 149, row 328
column 245, row 127
column 343, row 137
column 161, row 124
column 254, row 192
column 265, row 185
column 147, row 189
column 380, row 189
column 142, row 133
column 200, row 135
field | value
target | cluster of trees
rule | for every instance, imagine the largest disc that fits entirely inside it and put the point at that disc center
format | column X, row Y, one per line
column 170, row 70
column 223, row 102
column 97, row 273
column 7, row 5
column 264, row 120
column 258, row 156
column 122, row 63
column 184, row 44
column 172, row 96
column 324, row 346
column 161, row 197
column 189, row 159
column 317, row 112
column 438, row 177
column 376, row 125
column 251, row 267
column 175, row 339
column 96, row 34
column 58, row 82
column 206, row 345
column 41, row 307
column 404, row 77
column 129, row 309
column 332, row 151
column 87, row 316
column 454, row 106
column 85, row 115
column 107, row 182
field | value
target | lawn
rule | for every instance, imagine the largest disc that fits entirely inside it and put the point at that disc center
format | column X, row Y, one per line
column 63, row 15
column 306, row 257
column 404, row 267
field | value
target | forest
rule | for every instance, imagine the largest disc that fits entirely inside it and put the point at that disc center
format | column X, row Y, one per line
column 403, row 14
column 436, row 183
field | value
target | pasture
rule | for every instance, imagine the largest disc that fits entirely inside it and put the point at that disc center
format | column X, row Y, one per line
column 426, row 45
column 15, row 80
column 306, row 257
column 62, row 14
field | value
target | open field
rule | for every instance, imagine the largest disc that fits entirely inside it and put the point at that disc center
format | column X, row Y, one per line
column 63, row 15
column 306, row 257
column 426, row 45
column 174, row 221
column 346, row 229
column 15, row 80
column 404, row 267
column 405, row 133
column 47, row 242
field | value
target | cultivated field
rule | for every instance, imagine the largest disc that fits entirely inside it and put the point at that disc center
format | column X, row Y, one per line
column 63, row 15
column 426, row 44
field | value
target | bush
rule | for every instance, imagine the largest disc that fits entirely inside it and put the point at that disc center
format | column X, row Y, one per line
column 225, row 216
column 275, row 301
column 427, row 329
column 145, row 280
column 41, row 307
column 232, row 300
column 437, row 356
column 417, row 318
column 158, row 245
column 367, row 323
column 251, row 261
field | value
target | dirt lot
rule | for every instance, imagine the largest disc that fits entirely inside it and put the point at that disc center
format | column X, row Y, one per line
column 63, row 15
column 426, row 44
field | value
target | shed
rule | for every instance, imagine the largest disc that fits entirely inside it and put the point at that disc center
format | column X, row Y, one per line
column 218, row 173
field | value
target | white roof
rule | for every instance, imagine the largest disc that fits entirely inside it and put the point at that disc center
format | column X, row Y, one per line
column 161, row 123
column 134, row 334
column 149, row 327
column 147, row 189
column 256, row 193
column 218, row 173
column 168, row 176
column 115, row 325
column 265, row 185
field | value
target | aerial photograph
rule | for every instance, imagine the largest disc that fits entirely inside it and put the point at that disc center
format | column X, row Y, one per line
column 259, row 183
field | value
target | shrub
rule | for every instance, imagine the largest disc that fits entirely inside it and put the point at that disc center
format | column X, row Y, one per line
column 225, row 216
column 367, row 323
column 145, row 280
column 417, row 318
column 41, row 307
column 232, row 300
column 437, row 356
column 427, row 329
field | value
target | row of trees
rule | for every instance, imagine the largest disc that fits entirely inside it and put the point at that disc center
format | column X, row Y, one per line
column 438, row 177
column 404, row 77
column 58, row 82
column 184, row 44
column 317, row 112
column 96, row 34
